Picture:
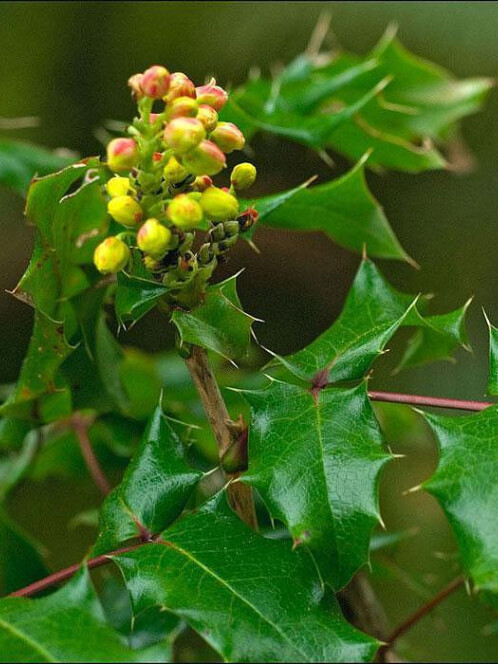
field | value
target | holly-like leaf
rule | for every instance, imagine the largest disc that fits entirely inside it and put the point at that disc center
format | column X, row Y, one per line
column 155, row 489
column 219, row 324
column 344, row 209
column 465, row 486
column 372, row 313
column 67, row 626
column 315, row 459
column 20, row 162
column 493, row 359
column 414, row 102
column 252, row 599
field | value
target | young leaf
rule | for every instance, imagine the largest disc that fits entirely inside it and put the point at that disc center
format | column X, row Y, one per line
column 67, row 626
column 250, row 598
column 372, row 313
column 20, row 162
column 344, row 209
column 156, row 486
column 493, row 359
column 219, row 324
column 465, row 486
column 315, row 459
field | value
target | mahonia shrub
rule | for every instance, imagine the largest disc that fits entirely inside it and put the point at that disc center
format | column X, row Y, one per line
column 244, row 516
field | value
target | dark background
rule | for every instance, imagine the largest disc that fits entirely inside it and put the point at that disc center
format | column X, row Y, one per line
column 68, row 63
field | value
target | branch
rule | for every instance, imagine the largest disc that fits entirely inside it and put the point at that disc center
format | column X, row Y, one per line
column 424, row 610
column 80, row 425
column 433, row 402
column 68, row 572
column 226, row 431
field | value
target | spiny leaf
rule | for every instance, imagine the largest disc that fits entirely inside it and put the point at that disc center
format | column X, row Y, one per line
column 67, row 626
column 250, row 598
column 371, row 315
column 344, row 209
column 156, row 486
column 21, row 161
column 219, row 324
column 465, row 486
column 315, row 459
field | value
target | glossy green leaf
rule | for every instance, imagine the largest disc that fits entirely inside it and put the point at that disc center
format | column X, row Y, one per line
column 493, row 359
column 415, row 102
column 155, row 489
column 315, row 460
column 67, row 626
column 343, row 209
column 465, row 486
column 20, row 162
column 250, row 598
column 219, row 324
column 372, row 313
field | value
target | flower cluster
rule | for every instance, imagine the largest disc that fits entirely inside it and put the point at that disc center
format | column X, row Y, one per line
column 162, row 189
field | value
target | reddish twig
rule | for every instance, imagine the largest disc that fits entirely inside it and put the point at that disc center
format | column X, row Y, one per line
column 80, row 426
column 424, row 610
column 68, row 572
column 433, row 402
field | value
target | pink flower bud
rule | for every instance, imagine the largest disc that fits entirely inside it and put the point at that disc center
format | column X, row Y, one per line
column 212, row 95
column 153, row 117
column 201, row 183
column 183, row 134
column 228, row 137
column 205, row 159
column 122, row 154
column 182, row 107
column 155, row 82
column 134, row 82
column 179, row 86
column 208, row 116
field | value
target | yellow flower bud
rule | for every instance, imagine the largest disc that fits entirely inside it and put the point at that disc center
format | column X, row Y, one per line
column 228, row 137
column 125, row 210
column 174, row 172
column 243, row 176
column 208, row 116
column 183, row 134
column 184, row 212
column 111, row 255
column 182, row 107
column 117, row 186
column 201, row 183
column 153, row 238
column 219, row 205
column 122, row 154
column 205, row 159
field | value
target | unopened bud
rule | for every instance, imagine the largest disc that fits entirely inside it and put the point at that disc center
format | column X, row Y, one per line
column 208, row 116
column 125, row 210
column 201, row 183
column 155, row 82
column 152, row 264
column 243, row 176
column 153, row 238
column 182, row 107
column 117, row 186
column 247, row 219
column 179, row 86
column 212, row 95
column 219, row 205
column 122, row 154
column 111, row 255
column 183, row 134
column 184, row 212
column 228, row 137
column 174, row 172
column 205, row 159
column 134, row 82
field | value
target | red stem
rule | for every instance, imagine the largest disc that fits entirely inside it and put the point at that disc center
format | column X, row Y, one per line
column 67, row 573
column 434, row 402
column 80, row 426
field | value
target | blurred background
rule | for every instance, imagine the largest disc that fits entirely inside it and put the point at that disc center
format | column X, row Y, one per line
column 68, row 64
